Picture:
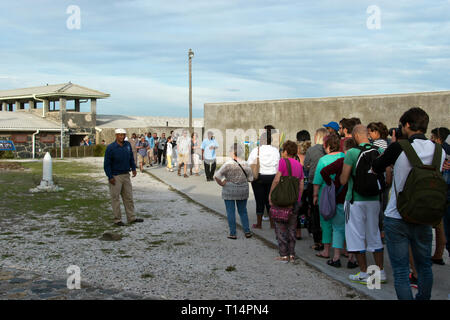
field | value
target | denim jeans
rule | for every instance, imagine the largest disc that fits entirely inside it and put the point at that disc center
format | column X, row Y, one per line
column 399, row 236
column 230, row 206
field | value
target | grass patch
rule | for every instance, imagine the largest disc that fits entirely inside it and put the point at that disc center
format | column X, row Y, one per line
column 147, row 276
column 157, row 243
column 230, row 268
column 7, row 255
column 82, row 209
column 180, row 244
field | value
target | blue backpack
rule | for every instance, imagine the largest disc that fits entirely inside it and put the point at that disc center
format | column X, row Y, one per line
column 327, row 204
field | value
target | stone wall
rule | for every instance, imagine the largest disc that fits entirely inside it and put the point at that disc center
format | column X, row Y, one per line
column 25, row 150
column 293, row 115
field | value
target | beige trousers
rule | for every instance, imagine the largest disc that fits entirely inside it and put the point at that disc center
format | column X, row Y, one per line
column 122, row 188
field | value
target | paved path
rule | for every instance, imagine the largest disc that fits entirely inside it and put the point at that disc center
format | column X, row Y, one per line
column 209, row 195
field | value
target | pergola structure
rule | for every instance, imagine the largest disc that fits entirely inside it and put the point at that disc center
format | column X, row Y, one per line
column 30, row 98
column 50, row 102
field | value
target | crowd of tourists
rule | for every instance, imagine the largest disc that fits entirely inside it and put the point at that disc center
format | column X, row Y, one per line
column 354, row 187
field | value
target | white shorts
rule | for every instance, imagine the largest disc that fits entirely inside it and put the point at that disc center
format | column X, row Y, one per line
column 362, row 232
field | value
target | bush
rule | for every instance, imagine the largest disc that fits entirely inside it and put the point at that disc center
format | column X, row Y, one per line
column 99, row 150
column 6, row 155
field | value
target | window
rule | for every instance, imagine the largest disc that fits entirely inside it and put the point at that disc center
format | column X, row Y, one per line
column 47, row 138
column 19, row 138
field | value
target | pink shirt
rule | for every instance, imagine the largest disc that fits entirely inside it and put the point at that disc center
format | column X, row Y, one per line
column 296, row 169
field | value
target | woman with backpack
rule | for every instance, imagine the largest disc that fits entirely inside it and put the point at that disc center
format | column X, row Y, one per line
column 331, row 174
column 233, row 177
column 331, row 145
column 285, row 231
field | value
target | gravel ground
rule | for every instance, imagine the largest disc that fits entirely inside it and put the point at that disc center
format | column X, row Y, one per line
column 180, row 251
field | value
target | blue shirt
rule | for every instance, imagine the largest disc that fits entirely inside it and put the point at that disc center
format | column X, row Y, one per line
column 118, row 160
column 208, row 153
column 151, row 142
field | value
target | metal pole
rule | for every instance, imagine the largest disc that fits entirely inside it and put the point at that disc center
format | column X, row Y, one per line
column 190, row 54
column 62, row 138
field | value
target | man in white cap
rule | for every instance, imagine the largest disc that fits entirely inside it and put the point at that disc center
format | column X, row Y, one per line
column 119, row 161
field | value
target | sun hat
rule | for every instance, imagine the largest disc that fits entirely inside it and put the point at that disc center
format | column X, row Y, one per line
column 118, row 131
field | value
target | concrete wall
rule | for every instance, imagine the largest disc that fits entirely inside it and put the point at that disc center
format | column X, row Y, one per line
column 293, row 115
column 109, row 136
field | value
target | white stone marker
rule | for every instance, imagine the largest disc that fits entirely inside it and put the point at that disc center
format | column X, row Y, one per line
column 47, row 177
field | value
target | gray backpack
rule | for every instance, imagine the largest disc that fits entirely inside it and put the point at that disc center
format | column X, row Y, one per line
column 327, row 204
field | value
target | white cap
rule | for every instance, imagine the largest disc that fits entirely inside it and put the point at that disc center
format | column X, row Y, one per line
column 120, row 131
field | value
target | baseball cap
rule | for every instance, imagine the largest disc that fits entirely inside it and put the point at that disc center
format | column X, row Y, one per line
column 334, row 125
column 118, row 131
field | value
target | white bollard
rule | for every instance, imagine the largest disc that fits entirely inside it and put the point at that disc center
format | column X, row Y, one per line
column 47, row 179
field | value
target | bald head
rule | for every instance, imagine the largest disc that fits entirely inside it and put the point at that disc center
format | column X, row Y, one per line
column 360, row 134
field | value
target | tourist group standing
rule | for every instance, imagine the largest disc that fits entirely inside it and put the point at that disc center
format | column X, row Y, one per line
column 358, row 189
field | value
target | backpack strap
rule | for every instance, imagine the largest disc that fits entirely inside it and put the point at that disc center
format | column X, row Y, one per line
column 288, row 164
column 437, row 157
column 411, row 154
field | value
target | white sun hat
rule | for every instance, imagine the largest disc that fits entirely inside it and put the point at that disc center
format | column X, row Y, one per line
column 118, row 131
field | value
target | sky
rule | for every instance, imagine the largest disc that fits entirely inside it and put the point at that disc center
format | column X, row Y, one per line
column 137, row 50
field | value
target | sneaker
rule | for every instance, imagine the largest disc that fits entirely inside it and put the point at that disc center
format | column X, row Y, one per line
column 265, row 218
column 383, row 278
column 360, row 277
column 413, row 281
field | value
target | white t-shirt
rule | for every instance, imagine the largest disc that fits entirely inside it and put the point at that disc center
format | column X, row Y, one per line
column 402, row 167
column 268, row 159
column 169, row 149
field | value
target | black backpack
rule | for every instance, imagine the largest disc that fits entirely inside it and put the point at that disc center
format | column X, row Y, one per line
column 365, row 181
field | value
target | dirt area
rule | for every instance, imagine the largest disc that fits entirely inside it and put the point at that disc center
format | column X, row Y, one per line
column 180, row 251
column 11, row 166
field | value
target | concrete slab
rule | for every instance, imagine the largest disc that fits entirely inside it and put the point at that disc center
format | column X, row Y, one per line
column 208, row 194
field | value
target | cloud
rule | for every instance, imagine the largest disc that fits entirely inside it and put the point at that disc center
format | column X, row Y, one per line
column 244, row 50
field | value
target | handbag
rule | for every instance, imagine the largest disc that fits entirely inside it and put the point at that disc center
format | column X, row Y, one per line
column 286, row 192
column 255, row 167
column 279, row 214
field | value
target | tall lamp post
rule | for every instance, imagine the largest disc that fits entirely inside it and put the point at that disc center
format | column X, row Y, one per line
column 190, row 55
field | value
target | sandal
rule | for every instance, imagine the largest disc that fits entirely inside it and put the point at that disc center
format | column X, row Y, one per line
column 248, row 234
column 317, row 247
column 322, row 256
column 232, row 237
column 282, row 259
column 336, row 264
column 291, row 258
